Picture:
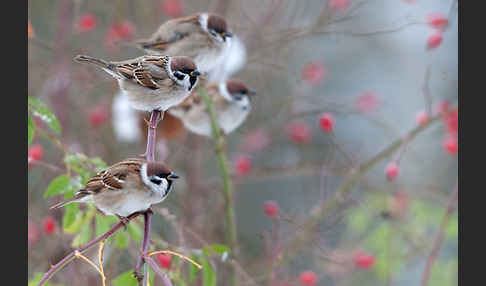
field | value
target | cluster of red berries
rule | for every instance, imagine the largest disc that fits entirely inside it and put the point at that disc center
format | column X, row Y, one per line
column 438, row 22
column 300, row 132
column 451, row 123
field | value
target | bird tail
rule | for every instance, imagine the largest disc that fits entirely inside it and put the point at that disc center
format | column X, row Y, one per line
column 80, row 196
column 106, row 66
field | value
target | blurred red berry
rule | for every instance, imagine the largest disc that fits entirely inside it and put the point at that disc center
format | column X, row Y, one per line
column 339, row 4
column 49, row 225
column 98, row 115
column 243, row 165
column 164, row 260
column 450, row 145
column 300, row 133
column 36, row 152
column 422, row 117
column 32, row 233
column 308, row 278
column 437, row 20
column 391, row 171
column 434, row 40
column 256, row 141
column 314, row 73
column 271, row 208
column 451, row 122
column 119, row 31
column 363, row 259
column 326, row 121
column 367, row 101
column 443, row 107
column 86, row 23
column 172, row 8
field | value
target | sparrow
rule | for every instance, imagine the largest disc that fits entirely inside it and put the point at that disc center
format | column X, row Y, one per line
column 203, row 37
column 231, row 102
column 127, row 187
column 151, row 82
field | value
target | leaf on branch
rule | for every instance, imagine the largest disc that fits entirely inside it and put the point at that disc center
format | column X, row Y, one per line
column 193, row 270
column 209, row 277
column 40, row 110
column 125, row 279
column 83, row 236
column 30, row 129
column 121, row 239
column 135, row 231
column 59, row 185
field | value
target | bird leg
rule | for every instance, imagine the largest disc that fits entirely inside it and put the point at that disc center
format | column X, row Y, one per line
column 124, row 220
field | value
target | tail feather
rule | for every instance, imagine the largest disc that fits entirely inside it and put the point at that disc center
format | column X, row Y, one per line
column 106, row 66
column 79, row 197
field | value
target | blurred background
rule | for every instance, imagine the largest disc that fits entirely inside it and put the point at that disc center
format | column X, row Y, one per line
column 344, row 173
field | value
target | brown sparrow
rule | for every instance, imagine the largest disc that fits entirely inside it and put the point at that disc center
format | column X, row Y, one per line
column 127, row 187
column 231, row 101
column 202, row 37
column 151, row 82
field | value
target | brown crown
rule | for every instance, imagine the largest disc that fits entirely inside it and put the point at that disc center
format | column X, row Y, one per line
column 236, row 86
column 182, row 64
column 217, row 23
column 158, row 169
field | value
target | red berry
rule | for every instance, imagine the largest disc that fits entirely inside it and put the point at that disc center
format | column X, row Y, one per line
column 271, row 208
column 35, row 153
column 326, row 121
column 422, row 117
column 256, row 141
column 86, row 22
column 308, row 278
column 437, row 20
column 171, row 8
column 367, row 101
column 314, row 73
column 98, row 115
column 363, row 259
column 434, row 40
column 451, row 122
column 299, row 133
column 443, row 107
column 339, row 4
column 450, row 145
column 164, row 260
column 243, row 165
column 49, row 225
column 119, row 31
column 391, row 171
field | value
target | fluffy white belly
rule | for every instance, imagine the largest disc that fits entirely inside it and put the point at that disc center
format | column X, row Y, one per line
column 147, row 100
column 114, row 203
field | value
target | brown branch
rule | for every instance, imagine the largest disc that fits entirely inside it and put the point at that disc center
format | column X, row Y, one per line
column 451, row 207
column 90, row 244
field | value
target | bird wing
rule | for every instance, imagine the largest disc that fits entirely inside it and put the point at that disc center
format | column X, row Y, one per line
column 170, row 32
column 146, row 71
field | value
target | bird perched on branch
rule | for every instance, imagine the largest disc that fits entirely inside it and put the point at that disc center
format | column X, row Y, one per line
column 127, row 187
column 231, row 102
column 203, row 37
column 151, row 82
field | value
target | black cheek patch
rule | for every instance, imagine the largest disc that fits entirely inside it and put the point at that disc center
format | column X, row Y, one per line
column 192, row 80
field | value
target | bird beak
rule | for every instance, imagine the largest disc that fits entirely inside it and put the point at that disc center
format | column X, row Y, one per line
column 172, row 176
column 251, row 92
column 226, row 35
column 195, row 73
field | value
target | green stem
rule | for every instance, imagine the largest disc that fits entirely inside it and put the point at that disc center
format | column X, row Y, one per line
column 223, row 165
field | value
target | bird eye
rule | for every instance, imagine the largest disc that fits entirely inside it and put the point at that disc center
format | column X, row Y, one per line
column 179, row 75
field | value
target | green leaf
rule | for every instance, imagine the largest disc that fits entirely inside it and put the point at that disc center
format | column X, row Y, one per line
column 135, row 231
column 83, row 236
column 39, row 109
column 452, row 228
column 209, row 278
column 58, row 186
column 72, row 220
column 125, row 279
column 30, row 129
column 121, row 239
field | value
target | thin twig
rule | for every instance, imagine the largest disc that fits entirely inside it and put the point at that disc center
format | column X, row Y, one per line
column 451, row 207
column 80, row 256
column 48, row 275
